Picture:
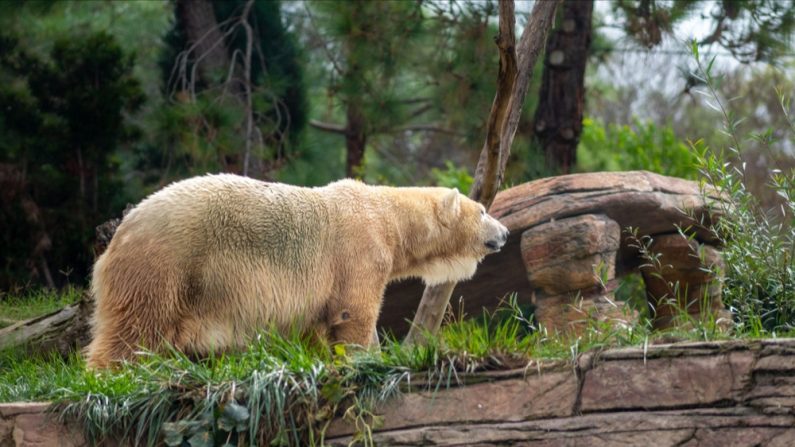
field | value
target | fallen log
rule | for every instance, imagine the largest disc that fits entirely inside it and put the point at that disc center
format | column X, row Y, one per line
column 62, row 331
column 67, row 329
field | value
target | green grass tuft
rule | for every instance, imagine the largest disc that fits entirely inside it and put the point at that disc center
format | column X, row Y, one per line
column 286, row 390
column 34, row 303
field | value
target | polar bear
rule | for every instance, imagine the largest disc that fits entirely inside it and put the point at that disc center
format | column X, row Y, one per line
column 205, row 263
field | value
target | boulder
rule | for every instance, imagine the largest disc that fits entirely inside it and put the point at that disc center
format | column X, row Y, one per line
column 682, row 286
column 571, row 243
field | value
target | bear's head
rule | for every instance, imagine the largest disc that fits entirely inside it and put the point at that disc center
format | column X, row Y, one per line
column 466, row 235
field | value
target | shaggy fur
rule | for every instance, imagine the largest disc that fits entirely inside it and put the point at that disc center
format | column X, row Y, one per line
column 207, row 262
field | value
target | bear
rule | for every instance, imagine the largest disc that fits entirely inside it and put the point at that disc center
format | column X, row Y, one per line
column 205, row 263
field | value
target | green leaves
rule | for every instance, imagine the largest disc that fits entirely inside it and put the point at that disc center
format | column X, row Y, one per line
column 758, row 243
column 195, row 433
column 643, row 146
column 208, row 431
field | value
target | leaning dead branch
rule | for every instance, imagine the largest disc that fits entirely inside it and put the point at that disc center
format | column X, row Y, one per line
column 513, row 80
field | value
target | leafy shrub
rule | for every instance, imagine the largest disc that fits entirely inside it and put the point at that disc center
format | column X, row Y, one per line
column 759, row 243
column 452, row 177
column 643, row 146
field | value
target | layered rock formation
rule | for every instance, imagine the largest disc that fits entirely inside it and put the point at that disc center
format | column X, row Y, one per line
column 730, row 393
column 693, row 394
column 570, row 243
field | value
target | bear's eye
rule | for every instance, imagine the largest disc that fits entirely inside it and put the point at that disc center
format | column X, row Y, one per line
column 482, row 212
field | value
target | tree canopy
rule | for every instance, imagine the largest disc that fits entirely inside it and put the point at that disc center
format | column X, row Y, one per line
column 102, row 103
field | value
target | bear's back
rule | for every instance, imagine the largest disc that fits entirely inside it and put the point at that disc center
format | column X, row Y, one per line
column 230, row 213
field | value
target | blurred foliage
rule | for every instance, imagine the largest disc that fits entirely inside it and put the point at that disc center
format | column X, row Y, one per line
column 754, row 92
column 366, row 80
column 751, row 30
column 435, row 84
column 367, row 46
column 60, row 136
column 643, row 146
column 453, row 177
column 197, row 131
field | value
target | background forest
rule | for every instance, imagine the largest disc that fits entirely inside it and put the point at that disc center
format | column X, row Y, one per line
column 104, row 102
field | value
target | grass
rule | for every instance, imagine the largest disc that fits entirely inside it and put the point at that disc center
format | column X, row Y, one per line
column 286, row 390
column 33, row 303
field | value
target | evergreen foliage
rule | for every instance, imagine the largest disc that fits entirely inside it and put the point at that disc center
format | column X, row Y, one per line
column 751, row 30
column 277, row 59
column 62, row 118
column 197, row 131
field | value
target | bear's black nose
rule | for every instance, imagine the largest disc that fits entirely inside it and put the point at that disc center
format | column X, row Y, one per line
column 495, row 245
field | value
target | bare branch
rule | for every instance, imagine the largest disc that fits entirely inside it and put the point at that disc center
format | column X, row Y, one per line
column 425, row 128
column 420, row 111
column 331, row 57
column 486, row 174
column 247, row 85
column 414, row 100
column 328, row 127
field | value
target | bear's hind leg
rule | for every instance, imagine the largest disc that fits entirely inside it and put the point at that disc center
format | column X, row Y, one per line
column 353, row 318
column 106, row 351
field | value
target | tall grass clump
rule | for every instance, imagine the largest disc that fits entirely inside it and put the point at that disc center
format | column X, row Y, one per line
column 34, row 302
column 286, row 390
column 759, row 243
column 280, row 391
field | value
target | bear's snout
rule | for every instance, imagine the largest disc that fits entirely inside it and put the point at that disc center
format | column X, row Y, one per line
column 498, row 241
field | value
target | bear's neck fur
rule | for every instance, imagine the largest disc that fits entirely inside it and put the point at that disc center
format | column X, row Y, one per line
column 420, row 243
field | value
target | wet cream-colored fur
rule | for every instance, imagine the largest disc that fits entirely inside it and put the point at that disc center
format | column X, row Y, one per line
column 207, row 262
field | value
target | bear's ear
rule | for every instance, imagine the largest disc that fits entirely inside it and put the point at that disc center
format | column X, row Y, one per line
column 451, row 205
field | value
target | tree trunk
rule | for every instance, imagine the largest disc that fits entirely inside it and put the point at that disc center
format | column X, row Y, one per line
column 205, row 37
column 355, row 140
column 503, row 121
column 561, row 99
column 15, row 188
column 214, row 64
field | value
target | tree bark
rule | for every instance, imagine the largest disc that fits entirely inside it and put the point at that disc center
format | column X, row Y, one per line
column 558, row 118
column 62, row 331
column 355, row 140
column 205, row 38
column 487, row 173
column 512, row 85
column 250, row 138
column 14, row 186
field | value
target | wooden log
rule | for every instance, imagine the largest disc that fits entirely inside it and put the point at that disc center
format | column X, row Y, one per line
column 67, row 329
column 63, row 331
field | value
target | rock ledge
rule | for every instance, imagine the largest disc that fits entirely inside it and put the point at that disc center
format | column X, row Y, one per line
column 727, row 393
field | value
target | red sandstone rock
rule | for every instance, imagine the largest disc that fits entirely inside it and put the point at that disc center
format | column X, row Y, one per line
column 733, row 393
column 562, row 229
